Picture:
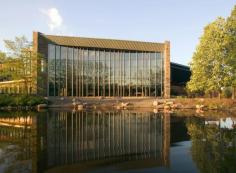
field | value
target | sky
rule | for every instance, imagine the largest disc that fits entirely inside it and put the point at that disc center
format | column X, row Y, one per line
column 179, row 21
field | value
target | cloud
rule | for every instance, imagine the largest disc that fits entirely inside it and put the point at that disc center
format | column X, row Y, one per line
column 55, row 20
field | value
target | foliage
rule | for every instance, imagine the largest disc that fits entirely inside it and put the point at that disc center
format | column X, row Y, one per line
column 20, row 62
column 214, row 62
column 21, row 100
column 210, row 71
column 6, row 100
column 213, row 149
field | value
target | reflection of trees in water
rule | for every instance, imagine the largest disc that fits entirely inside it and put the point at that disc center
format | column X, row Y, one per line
column 17, row 141
column 213, row 149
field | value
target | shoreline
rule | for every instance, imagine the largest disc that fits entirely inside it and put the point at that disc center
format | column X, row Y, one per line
column 172, row 104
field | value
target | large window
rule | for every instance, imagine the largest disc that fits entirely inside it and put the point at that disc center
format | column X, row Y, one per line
column 98, row 72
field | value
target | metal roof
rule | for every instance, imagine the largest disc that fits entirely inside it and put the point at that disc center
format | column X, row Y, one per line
column 105, row 43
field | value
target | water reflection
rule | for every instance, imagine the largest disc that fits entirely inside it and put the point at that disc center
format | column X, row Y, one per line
column 213, row 144
column 118, row 136
column 108, row 141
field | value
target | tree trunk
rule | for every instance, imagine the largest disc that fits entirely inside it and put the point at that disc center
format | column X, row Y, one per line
column 219, row 95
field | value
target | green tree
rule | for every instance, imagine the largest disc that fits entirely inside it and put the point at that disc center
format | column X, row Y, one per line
column 21, row 63
column 210, row 72
column 231, row 48
column 2, row 61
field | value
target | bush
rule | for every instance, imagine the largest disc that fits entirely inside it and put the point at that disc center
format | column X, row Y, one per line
column 227, row 92
column 21, row 100
column 35, row 100
column 6, row 100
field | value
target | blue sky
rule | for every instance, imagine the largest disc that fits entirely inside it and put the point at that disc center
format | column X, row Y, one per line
column 180, row 21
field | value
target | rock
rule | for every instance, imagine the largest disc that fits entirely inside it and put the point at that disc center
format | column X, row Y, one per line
column 80, row 107
column 169, row 103
column 166, row 107
column 155, row 111
column 42, row 106
column 200, row 106
column 124, row 104
column 155, row 103
column 160, row 106
column 199, row 111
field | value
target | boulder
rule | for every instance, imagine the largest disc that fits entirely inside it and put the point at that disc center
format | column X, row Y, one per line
column 155, row 103
column 42, row 106
column 200, row 106
column 80, row 107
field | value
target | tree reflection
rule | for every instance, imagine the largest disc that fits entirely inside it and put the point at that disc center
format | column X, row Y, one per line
column 213, row 149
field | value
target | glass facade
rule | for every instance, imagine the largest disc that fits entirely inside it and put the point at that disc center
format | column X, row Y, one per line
column 101, row 72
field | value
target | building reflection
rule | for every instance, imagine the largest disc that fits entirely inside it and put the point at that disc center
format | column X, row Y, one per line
column 62, row 138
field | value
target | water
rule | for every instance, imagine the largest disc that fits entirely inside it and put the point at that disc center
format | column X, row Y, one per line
column 116, row 141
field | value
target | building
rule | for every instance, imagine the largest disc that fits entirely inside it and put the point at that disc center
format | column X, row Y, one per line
column 180, row 75
column 89, row 67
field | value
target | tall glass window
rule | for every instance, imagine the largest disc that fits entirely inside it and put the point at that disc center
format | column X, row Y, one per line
column 51, row 69
column 86, row 72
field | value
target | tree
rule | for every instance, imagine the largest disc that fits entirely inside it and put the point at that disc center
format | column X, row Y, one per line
column 21, row 63
column 231, row 47
column 210, row 72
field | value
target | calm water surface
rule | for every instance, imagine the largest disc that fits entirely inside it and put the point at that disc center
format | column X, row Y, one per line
column 116, row 141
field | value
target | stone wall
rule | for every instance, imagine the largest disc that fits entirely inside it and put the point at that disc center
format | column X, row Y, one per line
column 167, row 70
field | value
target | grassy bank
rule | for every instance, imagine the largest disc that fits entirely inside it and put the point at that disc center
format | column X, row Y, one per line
column 208, row 103
column 20, row 100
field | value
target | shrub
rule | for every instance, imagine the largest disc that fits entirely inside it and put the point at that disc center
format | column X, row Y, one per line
column 21, row 100
column 227, row 92
column 35, row 100
column 6, row 100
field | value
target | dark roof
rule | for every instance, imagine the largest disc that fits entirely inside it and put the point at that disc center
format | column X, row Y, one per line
column 105, row 43
column 180, row 66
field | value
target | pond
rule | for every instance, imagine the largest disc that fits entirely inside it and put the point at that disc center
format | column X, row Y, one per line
column 58, row 141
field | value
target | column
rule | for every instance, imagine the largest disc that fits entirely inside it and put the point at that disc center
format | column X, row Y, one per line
column 167, row 70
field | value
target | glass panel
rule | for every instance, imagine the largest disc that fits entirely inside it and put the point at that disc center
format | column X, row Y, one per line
column 57, row 71
column 97, row 73
column 112, row 73
column 145, row 73
column 133, row 74
column 153, row 74
column 107, row 73
column 91, row 73
column 63, row 90
column 102, row 73
column 140, row 75
column 75, row 73
column 79, row 71
column 158, row 74
column 85, row 73
column 127, row 74
column 69, row 71
column 51, row 70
